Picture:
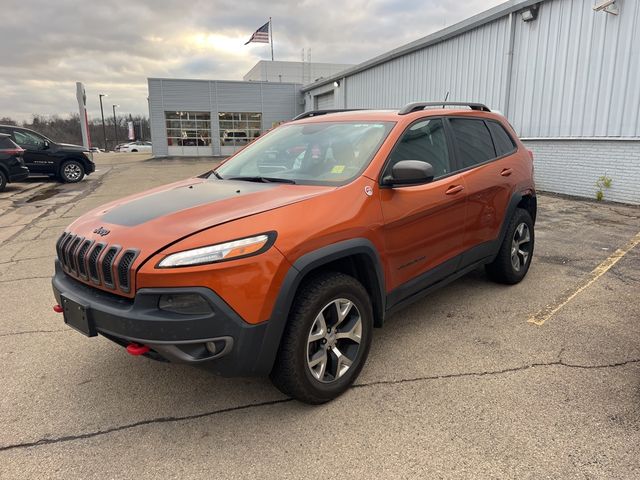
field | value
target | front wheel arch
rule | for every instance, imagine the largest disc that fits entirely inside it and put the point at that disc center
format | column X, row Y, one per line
column 306, row 267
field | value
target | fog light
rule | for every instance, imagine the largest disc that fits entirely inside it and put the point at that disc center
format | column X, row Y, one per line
column 211, row 346
column 184, row 303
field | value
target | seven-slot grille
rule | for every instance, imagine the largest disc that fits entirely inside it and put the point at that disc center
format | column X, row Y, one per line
column 97, row 262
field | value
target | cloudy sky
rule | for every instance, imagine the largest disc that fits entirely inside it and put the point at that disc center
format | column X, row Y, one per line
column 114, row 45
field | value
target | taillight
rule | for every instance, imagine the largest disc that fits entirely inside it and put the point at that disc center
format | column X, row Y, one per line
column 12, row 151
column 530, row 154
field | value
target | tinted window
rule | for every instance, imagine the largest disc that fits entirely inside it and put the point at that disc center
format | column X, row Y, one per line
column 27, row 139
column 5, row 142
column 473, row 141
column 502, row 140
column 423, row 141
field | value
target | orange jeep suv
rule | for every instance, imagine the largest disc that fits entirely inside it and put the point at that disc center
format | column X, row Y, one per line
column 283, row 259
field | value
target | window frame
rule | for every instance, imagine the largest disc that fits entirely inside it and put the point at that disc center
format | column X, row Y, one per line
column 513, row 142
column 29, row 133
column 453, row 161
column 493, row 141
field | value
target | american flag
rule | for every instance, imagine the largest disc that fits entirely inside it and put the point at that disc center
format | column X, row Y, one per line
column 261, row 35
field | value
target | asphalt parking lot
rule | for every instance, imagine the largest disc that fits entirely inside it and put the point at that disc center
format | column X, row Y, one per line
column 478, row 380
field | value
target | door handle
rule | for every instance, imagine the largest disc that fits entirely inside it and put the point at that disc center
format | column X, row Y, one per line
column 506, row 172
column 453, row 189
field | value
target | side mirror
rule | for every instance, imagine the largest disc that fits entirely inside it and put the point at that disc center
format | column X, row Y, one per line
column 409, row 172
column 45, row 146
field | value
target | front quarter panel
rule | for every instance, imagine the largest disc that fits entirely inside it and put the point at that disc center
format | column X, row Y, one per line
column 248, row 285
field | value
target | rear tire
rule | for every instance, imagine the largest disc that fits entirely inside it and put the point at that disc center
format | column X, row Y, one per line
column 514, row 258
column 3, row 181
column 326, row 340
column 71, row 171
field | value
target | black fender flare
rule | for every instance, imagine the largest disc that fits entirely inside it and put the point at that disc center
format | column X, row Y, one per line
column 515, row 200
column 302, row 267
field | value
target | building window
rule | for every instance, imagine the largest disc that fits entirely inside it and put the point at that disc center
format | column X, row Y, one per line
column 188, row 129
column 237, row 129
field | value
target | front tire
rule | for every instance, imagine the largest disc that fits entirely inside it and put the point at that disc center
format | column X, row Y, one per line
column 3, row 181
column 71, row 171
column 326, row 341
column 514, row 258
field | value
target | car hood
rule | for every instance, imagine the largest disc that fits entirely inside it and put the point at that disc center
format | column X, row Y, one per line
column 151, row 220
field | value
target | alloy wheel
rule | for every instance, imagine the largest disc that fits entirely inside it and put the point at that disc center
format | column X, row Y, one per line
column 334, row 340
column 520, row 246
column 72, row 171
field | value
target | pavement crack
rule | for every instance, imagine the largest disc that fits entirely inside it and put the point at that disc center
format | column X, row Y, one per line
column 495, row 372
column 27, row 332
column 25, row 278
column 160, row 420
column 82, row 436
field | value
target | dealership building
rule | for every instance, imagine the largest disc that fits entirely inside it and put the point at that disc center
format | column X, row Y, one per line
column 565, row 74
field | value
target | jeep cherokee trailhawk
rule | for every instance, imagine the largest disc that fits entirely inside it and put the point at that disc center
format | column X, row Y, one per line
column 283, row 259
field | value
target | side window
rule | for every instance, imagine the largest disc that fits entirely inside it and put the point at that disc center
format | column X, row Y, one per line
column 425, row 141
column 473, row 141
column 26, row 139
column 502, row 140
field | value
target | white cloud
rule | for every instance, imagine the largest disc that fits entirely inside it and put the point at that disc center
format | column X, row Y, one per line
column 113, row 46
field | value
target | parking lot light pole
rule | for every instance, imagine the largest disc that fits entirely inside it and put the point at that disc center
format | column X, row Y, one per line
column 115, row 125
column 104, row 129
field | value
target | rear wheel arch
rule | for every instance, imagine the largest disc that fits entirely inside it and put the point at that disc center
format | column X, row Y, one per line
column 529, row 203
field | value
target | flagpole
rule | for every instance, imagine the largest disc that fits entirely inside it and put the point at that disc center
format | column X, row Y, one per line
column 271, row 37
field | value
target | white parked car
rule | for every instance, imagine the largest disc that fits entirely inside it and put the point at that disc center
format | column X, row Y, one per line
column 134, row 147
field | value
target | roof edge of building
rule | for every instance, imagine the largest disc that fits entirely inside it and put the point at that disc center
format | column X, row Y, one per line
column 454, row 30
column 172, row 79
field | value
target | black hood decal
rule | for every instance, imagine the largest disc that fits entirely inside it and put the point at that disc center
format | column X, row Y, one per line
column 171, row 201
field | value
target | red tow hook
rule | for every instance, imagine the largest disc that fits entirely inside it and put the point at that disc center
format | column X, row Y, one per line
column 58, row 309
column 135, row 349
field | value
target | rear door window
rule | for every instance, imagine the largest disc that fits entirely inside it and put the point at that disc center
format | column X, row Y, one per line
column 425, row 140
column 473, row 141
column 6, row 143
column 502, row 140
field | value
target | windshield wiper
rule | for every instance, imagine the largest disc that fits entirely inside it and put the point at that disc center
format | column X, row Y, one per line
column 263, row 179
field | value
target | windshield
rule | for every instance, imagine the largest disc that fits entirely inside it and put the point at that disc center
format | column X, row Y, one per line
column 326, row 153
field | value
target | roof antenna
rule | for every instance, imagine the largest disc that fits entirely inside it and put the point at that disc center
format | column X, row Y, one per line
column 446, row 97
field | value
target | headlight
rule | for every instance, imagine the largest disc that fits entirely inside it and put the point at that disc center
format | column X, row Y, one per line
column 88, row 155
column 244, row 247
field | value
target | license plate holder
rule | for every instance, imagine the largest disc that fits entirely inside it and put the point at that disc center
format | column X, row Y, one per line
column 77, row 317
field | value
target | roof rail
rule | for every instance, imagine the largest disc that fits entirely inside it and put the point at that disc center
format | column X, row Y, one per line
column 315, row 113
column 416, row 106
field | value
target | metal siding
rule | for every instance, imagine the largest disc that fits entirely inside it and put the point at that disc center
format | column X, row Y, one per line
column 277, row 102
column 576, row 71
column 466, row 66
column 156, row 119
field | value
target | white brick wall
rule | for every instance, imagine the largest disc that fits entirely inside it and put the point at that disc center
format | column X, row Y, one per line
column 572, row 167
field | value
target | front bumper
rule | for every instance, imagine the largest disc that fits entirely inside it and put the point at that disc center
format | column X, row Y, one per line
column 170, row 336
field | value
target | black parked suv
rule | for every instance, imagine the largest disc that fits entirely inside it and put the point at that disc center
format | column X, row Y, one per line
column 68, row 163
column 12, row 168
